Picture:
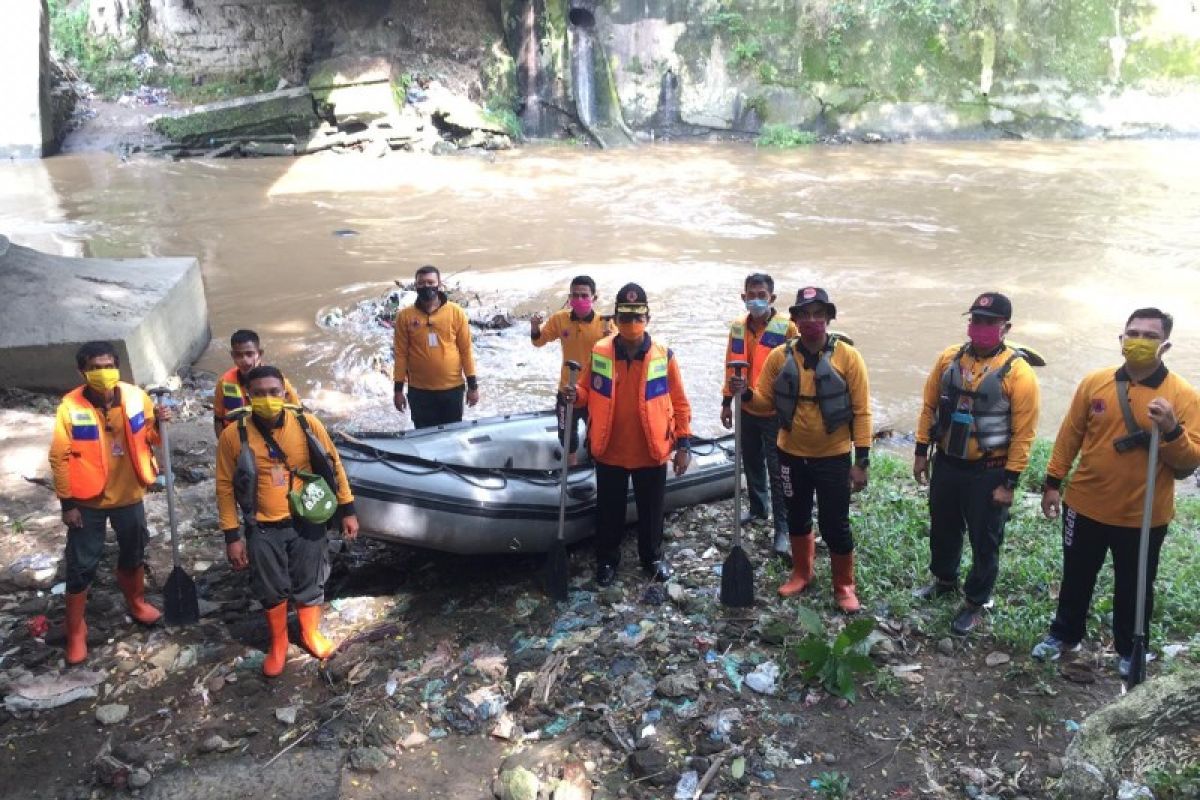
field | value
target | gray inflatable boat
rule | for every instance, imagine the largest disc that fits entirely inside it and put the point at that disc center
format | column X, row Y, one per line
column 492, row 485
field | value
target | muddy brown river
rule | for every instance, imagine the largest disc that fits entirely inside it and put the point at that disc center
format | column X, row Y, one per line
column 903, row 236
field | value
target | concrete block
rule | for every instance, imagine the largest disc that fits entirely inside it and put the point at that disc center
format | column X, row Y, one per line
column 285, row 111
column 152, row 309
column 27, row 121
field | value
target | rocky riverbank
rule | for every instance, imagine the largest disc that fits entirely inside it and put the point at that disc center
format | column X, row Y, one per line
column 456, row 677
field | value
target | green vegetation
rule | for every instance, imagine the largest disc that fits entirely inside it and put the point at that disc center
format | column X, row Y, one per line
column 1175, row 783
column 784, row 137
column 831, row 785
column 891, row 524
column 835, row 663
column 505, row 117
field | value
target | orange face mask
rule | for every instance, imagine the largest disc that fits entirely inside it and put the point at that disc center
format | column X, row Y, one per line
column 631, row 330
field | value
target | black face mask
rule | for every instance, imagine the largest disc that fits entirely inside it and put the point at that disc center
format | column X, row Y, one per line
column 427, row 293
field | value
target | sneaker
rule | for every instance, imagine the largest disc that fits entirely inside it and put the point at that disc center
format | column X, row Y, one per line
column 968, row 618
column 1125, row 663
column 935, row 590
column 1051, row 648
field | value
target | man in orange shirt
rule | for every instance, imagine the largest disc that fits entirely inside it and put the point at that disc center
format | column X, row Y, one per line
column 433, row 355
column 230, row 393
column 751, row 339
column 102, row 463
column 578, row 328
column 1105, row 494
column 638, row 413
column 258, row 460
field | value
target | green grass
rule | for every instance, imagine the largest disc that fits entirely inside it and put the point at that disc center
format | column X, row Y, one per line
column 784, row 137
column 891, row 526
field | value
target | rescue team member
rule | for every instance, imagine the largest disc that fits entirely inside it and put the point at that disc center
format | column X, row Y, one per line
column 578, row 328
column 230, row 395
column 288, row 557
column 433, row 355
column 818, row 389
column 1103, row 503
column 751, row 339
column 638, row 413
column 980, row 412
column 102, row 463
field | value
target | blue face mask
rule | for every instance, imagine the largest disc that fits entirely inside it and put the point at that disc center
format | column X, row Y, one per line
column 758, row 307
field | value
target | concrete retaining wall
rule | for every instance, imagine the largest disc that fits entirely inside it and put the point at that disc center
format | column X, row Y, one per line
column 26, row 123
column 152, row 309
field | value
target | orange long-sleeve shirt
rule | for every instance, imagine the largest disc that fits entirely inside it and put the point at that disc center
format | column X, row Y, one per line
column 808, row 438
column 433, row 351
column 577, row 337
column 1020, row 385
column 273, row 479
column 627, row 442
column 1108, row 486
column 122, row 487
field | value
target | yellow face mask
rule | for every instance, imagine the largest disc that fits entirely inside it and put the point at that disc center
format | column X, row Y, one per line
column 266, row 408
column 103, row 379
column 1140, row 353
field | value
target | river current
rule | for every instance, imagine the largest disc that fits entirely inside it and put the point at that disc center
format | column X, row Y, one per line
column 902, row 236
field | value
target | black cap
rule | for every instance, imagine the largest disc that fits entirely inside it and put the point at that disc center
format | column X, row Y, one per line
column 631, row 299
column 991, row 304
column 812, row 294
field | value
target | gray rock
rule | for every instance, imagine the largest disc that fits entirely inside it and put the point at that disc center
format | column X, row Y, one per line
column 946, row 646
column 683, row 684
column 287, row 714
column 653, row 766
column 138, row 779
column 517, row 784
column 111, row 714
column 368, row 759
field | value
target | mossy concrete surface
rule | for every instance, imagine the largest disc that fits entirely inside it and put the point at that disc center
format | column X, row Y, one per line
column 285, row 111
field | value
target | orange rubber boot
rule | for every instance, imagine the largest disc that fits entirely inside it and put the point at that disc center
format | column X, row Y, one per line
column 310, row 631
column 133, row 586
column 843, row 583
column 277, row 653
column 803, row 550
column 76, row 628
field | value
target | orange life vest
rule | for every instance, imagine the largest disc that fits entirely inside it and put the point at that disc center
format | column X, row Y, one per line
column 87, row 471
column 654, row 400
column 233, row 396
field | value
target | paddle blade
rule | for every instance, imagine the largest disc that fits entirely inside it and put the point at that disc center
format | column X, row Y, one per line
column 181, row 605
column 557, row 570
column 1137, row 662
column 737, row 580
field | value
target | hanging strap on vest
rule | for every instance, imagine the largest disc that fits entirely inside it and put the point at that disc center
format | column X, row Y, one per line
column 245, row 476
column 1137, row 436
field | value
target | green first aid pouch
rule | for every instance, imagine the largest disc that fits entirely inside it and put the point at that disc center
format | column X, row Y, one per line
column 313, row 501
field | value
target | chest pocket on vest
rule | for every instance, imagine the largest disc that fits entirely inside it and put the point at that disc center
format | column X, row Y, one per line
column 84, row 427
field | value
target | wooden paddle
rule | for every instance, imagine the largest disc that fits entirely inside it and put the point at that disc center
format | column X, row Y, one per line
column 737, row 574
column 558, row 567
column 181, row 605
column 1137, row 659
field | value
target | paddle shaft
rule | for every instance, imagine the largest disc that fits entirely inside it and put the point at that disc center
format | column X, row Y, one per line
column 165, row 439
column 1139, row 620
column 568, row 429
column 737, row 464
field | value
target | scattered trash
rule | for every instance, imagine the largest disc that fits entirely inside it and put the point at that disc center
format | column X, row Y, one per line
column 1071, row 725
column 38, row 626
column 287, row 714
column 40, row 692
column 762, row 679
column 686, row 788
column 111, row 714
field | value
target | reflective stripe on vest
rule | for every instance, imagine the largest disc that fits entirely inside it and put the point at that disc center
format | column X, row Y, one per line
column 772, row 336
column 87, row 470
column 232, row 393
column 654, row 401
column 989, row 407
column 832, row 392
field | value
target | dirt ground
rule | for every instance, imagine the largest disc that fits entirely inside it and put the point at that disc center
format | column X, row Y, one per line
column 397, row 712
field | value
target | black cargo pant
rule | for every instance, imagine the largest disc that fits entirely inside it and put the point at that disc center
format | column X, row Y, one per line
column 431, row 407
column 829, row 479
column 1086, row 543
column 649, row 494
column 288, row 560
column 960, row 497
column 85, row 545
column 760, row 464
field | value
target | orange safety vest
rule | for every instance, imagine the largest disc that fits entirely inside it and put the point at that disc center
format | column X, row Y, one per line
column 654, row 401
column 232, row 394
column 87, row 471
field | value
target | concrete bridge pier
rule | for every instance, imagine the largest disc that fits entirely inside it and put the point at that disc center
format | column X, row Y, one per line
column 27, row 120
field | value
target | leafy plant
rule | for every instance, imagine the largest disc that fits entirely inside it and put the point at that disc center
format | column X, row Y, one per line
column 1176, row 783
column 19, row 523
column 834, row 663
column 831, row 785
column 745, row 53
column 758, row 104
column 784, row 137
